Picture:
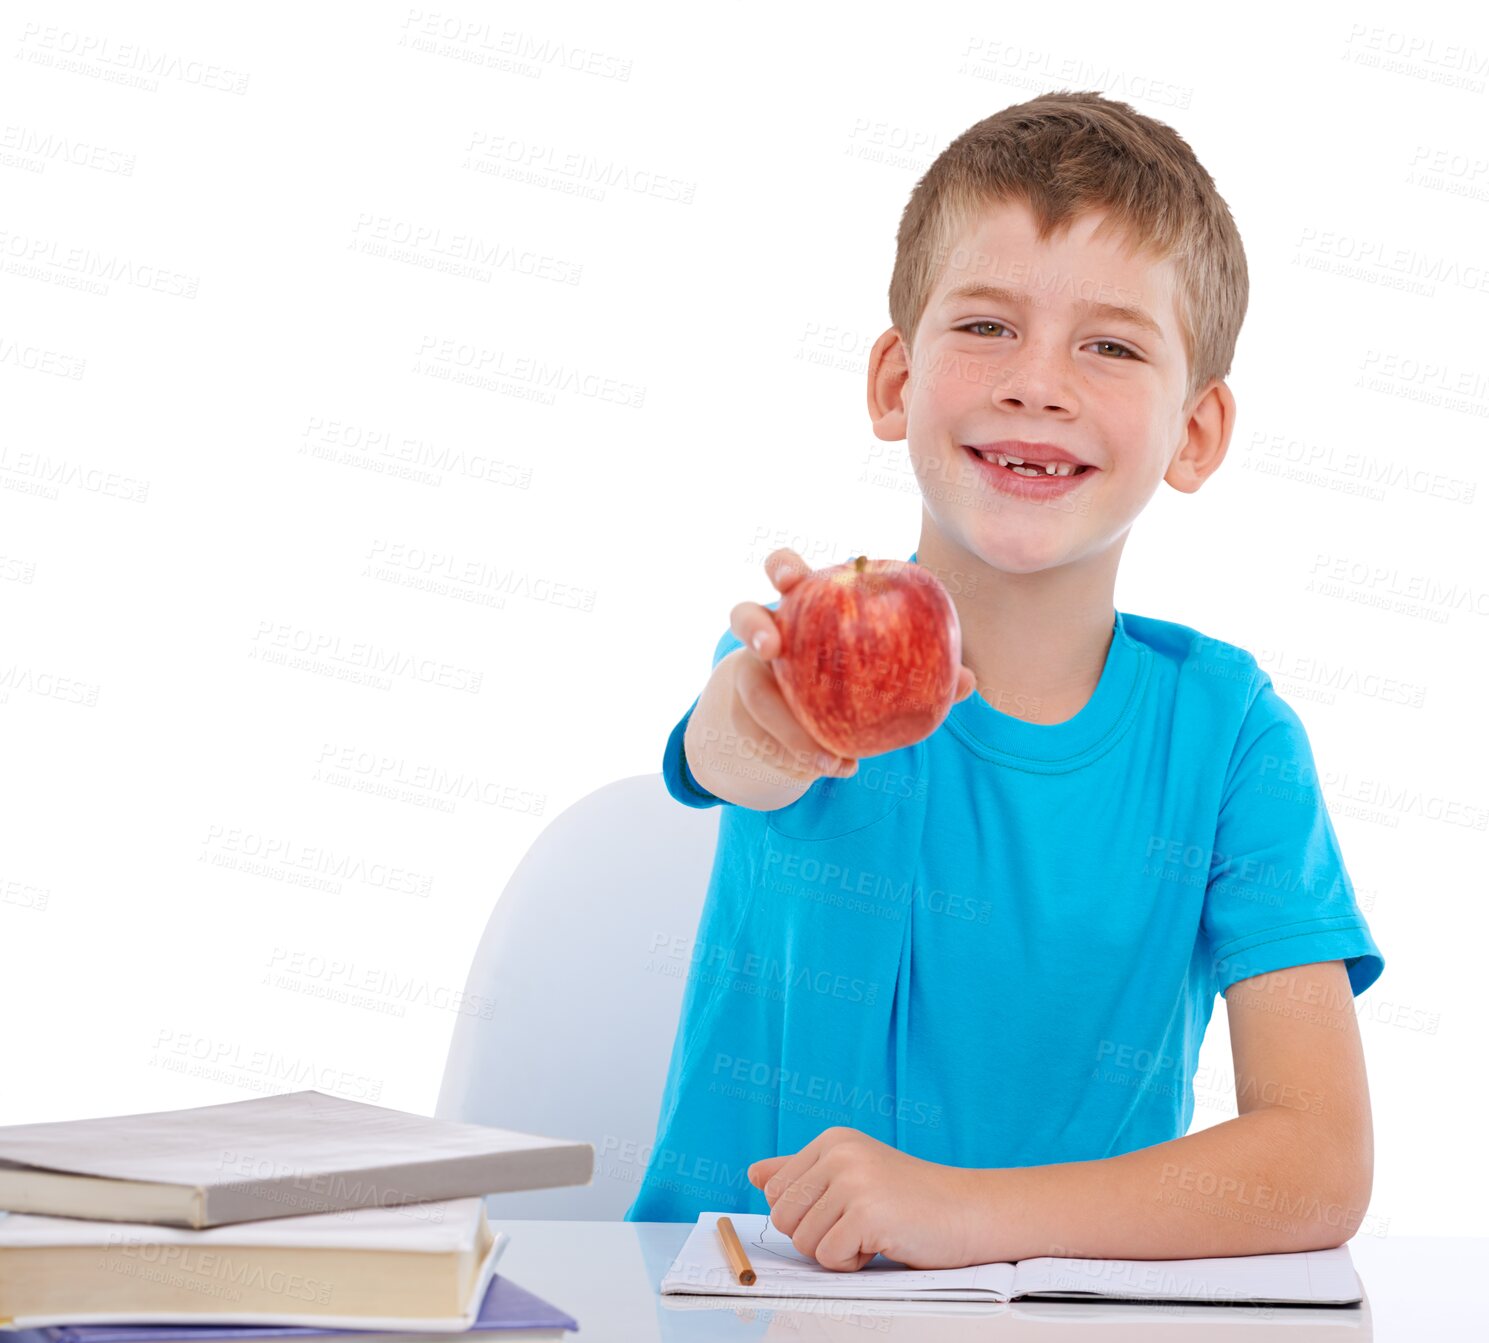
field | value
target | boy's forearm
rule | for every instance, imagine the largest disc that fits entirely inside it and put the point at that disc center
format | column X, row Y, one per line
column 1272, row 1181
column 725, row 760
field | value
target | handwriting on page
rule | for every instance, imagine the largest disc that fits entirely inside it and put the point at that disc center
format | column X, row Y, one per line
column 771, row 1251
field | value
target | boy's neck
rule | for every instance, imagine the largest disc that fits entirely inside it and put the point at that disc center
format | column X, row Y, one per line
column 1037, row 642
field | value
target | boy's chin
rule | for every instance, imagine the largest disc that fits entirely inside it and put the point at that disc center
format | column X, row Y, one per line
column 1023, row 566
column 1012, row 554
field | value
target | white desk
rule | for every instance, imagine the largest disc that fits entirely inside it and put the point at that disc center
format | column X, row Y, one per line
column 605, row 1274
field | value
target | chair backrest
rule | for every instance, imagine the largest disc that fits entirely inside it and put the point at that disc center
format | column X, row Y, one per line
column 573, row 997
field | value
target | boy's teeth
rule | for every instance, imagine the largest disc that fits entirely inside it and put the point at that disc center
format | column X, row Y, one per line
column 1018, row 465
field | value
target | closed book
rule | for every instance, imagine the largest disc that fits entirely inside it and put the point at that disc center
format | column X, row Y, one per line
column 420, row 1266
column 270, row 1156
column 508, row 1314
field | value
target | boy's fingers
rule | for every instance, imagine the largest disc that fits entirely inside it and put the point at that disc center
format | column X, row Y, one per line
column 785, row 567
column 966, row 683
column 761, row 696
column 755, row 627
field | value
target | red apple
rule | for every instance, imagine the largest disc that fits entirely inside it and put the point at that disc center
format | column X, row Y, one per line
column 870, row 652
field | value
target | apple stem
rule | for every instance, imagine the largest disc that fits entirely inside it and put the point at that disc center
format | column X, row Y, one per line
column 860, row 562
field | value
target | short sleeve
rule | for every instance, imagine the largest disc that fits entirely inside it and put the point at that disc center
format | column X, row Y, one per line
column 1278, row 894
column 675, row 772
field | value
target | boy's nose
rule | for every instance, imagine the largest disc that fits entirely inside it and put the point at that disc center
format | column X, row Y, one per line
column 1039, row 397
column 1036, row 379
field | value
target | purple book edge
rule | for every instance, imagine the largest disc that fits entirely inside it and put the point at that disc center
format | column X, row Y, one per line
column 506, row 1306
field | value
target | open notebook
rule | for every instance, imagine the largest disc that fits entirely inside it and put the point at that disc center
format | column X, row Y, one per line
column 1313, row 1277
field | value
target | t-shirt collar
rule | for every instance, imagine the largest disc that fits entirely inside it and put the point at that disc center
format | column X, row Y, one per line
column 1057, row 747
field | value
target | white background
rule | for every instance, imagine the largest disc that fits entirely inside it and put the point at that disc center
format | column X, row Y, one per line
column 238, row 299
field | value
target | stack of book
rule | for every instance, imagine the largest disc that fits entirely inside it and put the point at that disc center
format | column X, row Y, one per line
column 283, row 1216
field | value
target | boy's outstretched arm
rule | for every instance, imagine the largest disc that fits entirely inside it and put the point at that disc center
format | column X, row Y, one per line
column 1292, row 1171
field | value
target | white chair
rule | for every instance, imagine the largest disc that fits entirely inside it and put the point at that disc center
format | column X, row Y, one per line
column 581, row 971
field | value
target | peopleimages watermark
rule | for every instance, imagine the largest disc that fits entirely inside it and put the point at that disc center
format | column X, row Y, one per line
column 379, row 987
column 750, row 972
column 813, row 1093
column 45, row 683
column 190, row 1268
column 529, row 377
column 1153, row 1069
column 1242, row 876
column 491, row 581
column 33, row 149
column 1020, row 66
column 40, row 473
column 373, row 772
column 863, row 890
column 43, row 258
column 1349, row 469
column 631, row 1162
column 263, row 853
column 298, row 648
column 38, row 359
column 23, row 894
column 316, row 1190
column 130, row 64
column 1251, row 1201
column 256, row 1069
column 459, row 254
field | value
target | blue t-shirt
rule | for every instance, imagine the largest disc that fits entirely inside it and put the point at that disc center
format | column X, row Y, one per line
column 1000, row 946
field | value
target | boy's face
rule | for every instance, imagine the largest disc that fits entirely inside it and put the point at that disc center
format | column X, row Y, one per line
column 1033, row 364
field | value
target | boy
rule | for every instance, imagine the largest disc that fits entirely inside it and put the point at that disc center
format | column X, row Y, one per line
column 946, row 1003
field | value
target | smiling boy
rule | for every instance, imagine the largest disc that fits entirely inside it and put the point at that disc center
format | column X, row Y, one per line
column 947, row 1005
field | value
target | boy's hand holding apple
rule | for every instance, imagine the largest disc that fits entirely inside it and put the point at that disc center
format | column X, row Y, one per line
column 851, row 665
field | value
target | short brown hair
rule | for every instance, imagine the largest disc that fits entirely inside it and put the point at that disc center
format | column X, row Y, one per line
column 1064, row 153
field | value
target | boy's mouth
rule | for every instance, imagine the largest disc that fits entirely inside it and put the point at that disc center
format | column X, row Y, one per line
column 1036, row 461
column 1029, row 479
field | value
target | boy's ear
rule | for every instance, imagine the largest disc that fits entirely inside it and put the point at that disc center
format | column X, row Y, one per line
column 1207, row 436
column 889, row 370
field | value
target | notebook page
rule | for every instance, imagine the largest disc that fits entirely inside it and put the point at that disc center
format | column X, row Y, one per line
column 781, row 1270
column 1320, row 1276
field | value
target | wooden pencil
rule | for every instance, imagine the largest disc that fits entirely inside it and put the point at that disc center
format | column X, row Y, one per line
column 739, row 1262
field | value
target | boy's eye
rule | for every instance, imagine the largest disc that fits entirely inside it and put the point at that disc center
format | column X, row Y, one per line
column 1116, row 345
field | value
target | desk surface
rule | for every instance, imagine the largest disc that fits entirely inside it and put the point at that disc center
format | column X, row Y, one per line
column 606, row 1274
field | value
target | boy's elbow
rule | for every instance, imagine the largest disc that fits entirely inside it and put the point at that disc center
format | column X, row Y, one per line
column 1360, row 1169
column 1360, row 1190
column 1341, row 1215
column 1350, row 1156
